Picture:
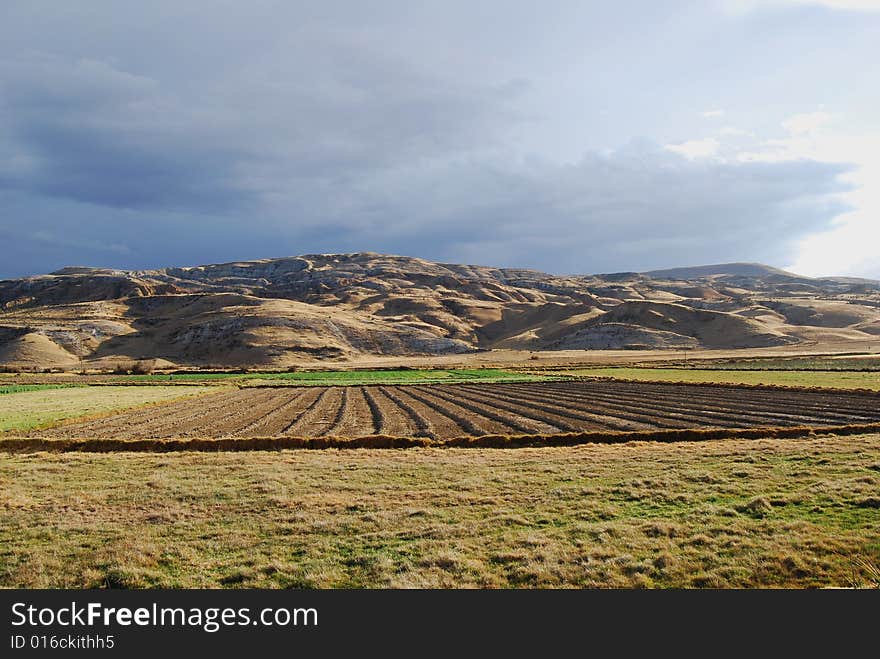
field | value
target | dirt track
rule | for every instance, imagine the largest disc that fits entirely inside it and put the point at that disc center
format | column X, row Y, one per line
column 447, row 411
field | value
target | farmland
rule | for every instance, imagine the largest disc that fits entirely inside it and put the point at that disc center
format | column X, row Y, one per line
column 836, row 379
column 861, row 362
column 446, row 412
column 754, row 508
column 28, row 407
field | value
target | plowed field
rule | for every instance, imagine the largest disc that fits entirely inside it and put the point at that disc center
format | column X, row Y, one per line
column 456, row 410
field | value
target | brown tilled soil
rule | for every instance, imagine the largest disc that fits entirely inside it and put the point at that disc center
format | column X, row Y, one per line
column 442, row 412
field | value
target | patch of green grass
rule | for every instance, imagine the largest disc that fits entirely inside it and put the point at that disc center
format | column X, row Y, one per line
column 180, row 377
column 832, row 379
column 18, row 388
column 323, row 378
column 403, row 376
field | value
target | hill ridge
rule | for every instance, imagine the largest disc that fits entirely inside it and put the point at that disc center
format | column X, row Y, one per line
column 318, row 307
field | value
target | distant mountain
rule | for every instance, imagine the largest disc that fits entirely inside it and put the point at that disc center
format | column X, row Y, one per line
column 330, row 307
column 724, row 269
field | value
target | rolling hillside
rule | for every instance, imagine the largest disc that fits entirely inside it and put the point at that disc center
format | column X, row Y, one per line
column 276, row 312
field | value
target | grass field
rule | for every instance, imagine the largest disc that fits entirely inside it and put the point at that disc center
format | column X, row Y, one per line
column 350, row 377
column 833, row 379
column 20, row 388
column 761, row 513
column 44, row 405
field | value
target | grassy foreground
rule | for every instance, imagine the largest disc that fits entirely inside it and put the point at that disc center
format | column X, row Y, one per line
column 44, row 405
column 831, row 379
column 756, row 513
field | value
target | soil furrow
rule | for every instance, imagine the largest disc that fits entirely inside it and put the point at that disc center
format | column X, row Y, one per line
column 718, row 412
column 258, row 410
column 318, row 394
column 615, row 408
column 447, row 422
column 356, row 419
column 403, row 416
column 283, row 399
column 558, row 415
column 544, row 421
column 378, row 416
column 320, row 417
column 137, row 423
column 561, row 405
column 221, row 422
column 341, row 411
column 725, row 399
column 487, row 416
column 284, row 415
column 844, row 406
column 185, row 416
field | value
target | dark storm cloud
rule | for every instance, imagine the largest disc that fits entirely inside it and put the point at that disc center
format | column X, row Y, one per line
column 156, row 136
column 88, row 132
column 637, row 208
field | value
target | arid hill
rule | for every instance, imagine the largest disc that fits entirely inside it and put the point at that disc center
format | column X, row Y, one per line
column 276, row 312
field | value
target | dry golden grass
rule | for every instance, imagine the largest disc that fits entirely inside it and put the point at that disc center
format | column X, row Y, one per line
column 758, row 513
column 283, row 442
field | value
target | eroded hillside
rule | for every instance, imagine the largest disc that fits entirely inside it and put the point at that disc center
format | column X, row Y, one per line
column 275, row 312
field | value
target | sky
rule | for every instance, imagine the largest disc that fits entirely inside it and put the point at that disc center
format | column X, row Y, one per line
column 568, row 136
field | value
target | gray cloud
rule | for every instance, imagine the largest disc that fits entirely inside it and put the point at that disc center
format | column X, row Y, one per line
column 636, row 208
column 620, row 211
column 221, row 136
column 86, row 131
column 91, row 132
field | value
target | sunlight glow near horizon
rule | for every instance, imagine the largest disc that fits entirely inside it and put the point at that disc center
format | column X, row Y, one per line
column 851, row 244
